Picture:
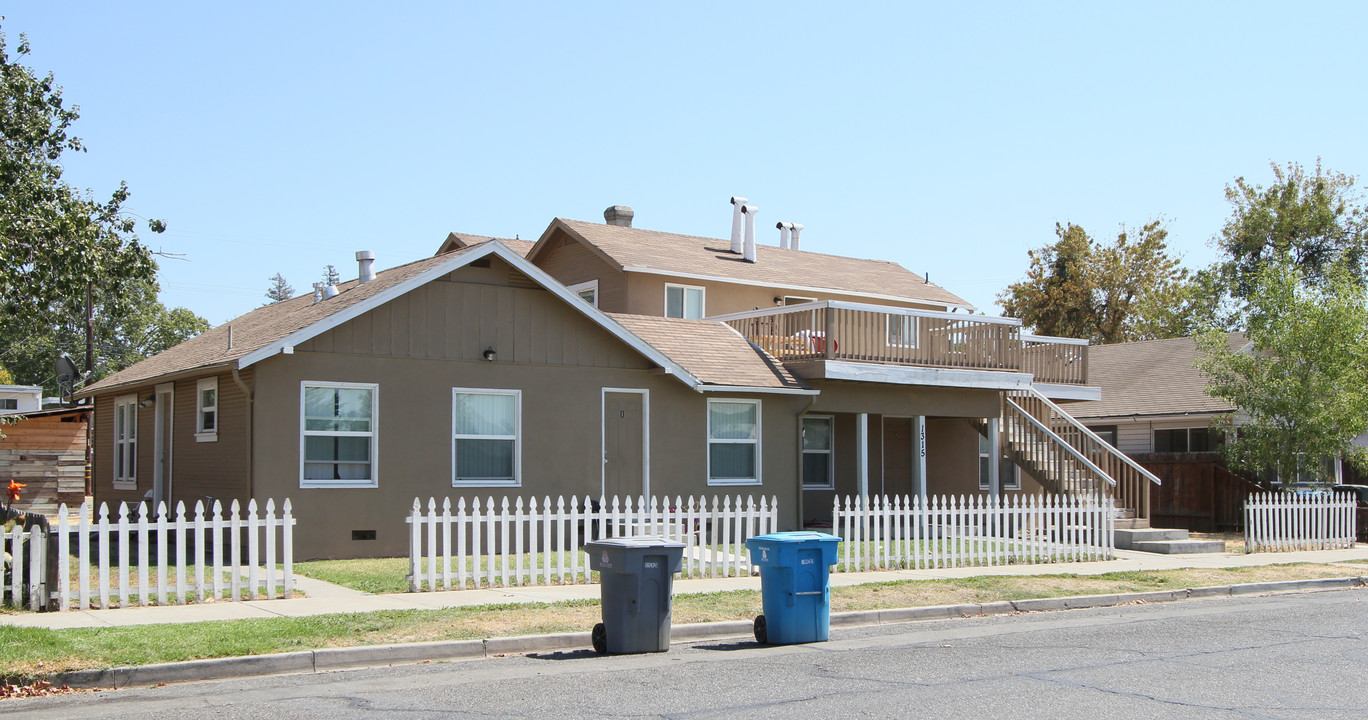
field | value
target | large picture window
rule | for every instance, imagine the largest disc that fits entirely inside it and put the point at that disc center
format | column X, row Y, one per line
column 126, row 442
column 338, row 438
column 733, row 442
column 484, row 447
column 817, row 441
column 683, row 301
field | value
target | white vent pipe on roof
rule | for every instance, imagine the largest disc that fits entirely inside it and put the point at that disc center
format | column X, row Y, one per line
column 783, row 233
column 749, row 211
column 794, row 228
column 365, row 262
column 318, row 292
column 329, row 291
column 737, row 202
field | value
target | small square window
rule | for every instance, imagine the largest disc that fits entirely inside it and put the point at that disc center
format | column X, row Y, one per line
column 684, row 301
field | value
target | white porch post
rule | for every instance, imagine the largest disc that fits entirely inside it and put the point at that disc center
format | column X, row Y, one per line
column 862, row 453
column 919, row 455
column 994, row 459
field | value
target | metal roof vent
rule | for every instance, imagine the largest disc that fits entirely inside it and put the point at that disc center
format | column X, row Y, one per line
column 365, row 263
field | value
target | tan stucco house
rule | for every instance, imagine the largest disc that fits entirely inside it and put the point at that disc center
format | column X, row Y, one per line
column 601, row 359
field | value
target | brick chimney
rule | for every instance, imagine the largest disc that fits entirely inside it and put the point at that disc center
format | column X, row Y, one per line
column 618, row 215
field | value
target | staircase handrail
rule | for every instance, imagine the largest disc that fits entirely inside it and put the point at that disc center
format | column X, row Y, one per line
column 1089, row 433
column 1061, row 442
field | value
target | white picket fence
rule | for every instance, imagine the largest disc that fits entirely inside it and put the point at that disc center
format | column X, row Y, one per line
column 198, row 557
column 883, row 533
column 25, row 567
column 534, row 543
column 1281, row 522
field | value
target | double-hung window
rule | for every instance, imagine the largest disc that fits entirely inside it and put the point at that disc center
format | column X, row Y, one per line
column 337, row 444
column 733, row 442
column 206, row 410
column 1008, row 475
column 485, row 426
column 683, row 301
column 817, row 465
column 126, row 442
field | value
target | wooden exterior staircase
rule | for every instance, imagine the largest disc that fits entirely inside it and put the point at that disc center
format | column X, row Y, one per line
column 1067, row 458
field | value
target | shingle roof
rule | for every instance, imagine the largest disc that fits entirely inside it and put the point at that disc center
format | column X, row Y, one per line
column 259, row 328
column 774, row 266
column 710, row 351
column 458, row 241
column 1152, row 377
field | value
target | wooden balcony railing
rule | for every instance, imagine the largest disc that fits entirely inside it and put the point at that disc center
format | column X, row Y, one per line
column 834, row 330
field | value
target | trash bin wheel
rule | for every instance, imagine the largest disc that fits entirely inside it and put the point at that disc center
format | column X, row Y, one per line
column 761, row 634
column 599, row 637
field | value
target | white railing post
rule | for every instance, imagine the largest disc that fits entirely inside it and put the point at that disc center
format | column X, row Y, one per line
column 415, row 546
column 287, row 522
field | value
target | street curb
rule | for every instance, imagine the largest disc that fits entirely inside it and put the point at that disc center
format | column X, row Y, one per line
column 329, row 659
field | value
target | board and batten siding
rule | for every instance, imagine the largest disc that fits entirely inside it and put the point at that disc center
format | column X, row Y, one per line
column 459, row 320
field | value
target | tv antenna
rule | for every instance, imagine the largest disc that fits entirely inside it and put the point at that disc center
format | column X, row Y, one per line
column 68, row 377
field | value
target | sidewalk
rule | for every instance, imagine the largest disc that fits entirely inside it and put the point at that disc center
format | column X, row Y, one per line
column 326, row 599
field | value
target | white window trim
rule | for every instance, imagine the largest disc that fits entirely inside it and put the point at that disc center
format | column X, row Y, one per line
column 830, row 452
column 202, row 435
column 756, row 442
column 702, row 299
column 517, row 438
column 578, row 288
column 122, row 479
column 909, row 322
column 374, row 435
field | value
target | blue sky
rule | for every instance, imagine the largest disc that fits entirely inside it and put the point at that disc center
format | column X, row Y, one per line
column 948, row 137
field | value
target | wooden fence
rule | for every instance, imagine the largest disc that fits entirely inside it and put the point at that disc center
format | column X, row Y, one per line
column 533, row 543
column 25, row 554
column 1281, row 522
column 199, row 557
column 883, row 533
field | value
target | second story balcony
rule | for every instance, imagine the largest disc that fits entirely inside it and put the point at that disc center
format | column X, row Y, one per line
column 856, row 332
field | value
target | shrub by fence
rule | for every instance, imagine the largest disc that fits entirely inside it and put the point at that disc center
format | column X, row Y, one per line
column 1282, row 521
column 199, row 557
column 534, row 543
column 883, row 533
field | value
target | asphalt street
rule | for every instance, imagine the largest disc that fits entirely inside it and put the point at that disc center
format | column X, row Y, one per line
column 1282, row 656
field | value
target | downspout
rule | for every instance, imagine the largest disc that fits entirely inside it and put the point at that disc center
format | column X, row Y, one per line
column 801, row 492
column 251, row 460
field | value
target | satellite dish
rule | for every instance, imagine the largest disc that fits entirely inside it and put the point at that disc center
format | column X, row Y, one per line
column 67, row 376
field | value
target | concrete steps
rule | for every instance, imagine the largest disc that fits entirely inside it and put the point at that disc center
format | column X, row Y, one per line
column 1164, row 541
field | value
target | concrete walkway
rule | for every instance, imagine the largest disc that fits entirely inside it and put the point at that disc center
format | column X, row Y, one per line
column 325, row 598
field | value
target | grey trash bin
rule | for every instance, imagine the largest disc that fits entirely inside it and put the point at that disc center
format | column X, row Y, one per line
column 636, row 576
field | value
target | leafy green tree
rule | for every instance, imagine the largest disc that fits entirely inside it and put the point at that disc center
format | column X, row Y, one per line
column 60, row 248
column 1317, row 220
column 128, row 326
column 1129, row 289
column 280, row 289
column 1300, row 391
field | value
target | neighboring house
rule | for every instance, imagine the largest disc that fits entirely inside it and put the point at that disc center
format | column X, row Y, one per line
column 20, row 399
column 1155, row 409
column 46, row 451
column 1153, row 397
column 601, row 359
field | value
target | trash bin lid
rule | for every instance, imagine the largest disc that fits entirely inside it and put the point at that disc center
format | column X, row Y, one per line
column 795, row 537
column 635, row 542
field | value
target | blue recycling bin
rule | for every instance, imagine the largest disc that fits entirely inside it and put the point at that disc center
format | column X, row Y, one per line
column 795, row 570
